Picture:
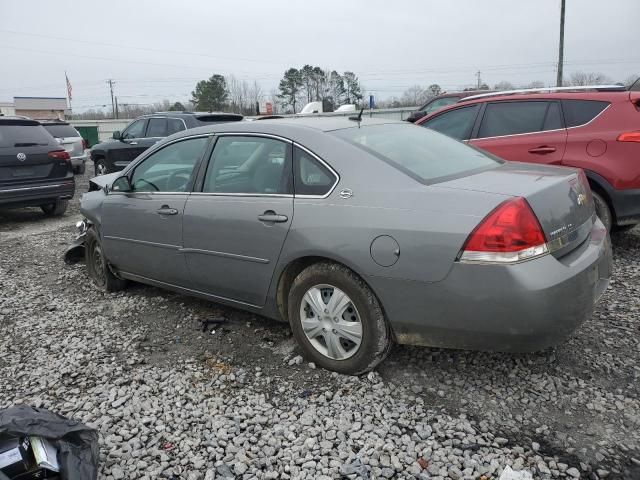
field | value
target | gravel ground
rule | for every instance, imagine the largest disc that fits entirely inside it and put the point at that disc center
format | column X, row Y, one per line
column 237, row 401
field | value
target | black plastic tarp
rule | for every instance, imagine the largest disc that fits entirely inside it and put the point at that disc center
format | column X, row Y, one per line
column 77, row 444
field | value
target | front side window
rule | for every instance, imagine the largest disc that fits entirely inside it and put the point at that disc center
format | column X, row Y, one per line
column 419, row 152
column 249, row 165
column 135, row 130
column 310, row 176
column 514, row 118
column 170, row 169
column 455, row 123
column 157, row 127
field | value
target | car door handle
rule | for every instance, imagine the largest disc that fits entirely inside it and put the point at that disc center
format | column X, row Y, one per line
column 166, row 210
column 271, row 216
column 544, row 150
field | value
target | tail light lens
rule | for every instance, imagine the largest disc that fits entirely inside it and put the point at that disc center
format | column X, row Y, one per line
column 60, row 155
column 630, row 137
column 510, row 233
column 84, row 144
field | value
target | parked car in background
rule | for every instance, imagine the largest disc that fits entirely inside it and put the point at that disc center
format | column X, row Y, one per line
column 35, row 170
column 596, row 129
column 143, row 132
column 356, row 232
column 71, row 141
column 436, row 103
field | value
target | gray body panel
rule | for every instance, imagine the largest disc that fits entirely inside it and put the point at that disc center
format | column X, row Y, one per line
column 428, row 297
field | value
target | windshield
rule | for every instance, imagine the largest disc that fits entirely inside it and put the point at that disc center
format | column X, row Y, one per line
column 423, row 154
column 61, row 131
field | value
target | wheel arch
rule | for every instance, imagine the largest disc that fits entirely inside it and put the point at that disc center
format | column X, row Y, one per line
column 600, row 185
column 293, row 268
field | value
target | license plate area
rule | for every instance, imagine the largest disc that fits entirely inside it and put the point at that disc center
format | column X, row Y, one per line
column 23, row 172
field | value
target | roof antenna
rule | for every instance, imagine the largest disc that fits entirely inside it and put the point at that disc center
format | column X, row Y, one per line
column 359, row 117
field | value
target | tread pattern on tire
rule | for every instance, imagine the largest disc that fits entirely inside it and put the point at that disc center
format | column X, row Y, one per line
column 112, row 284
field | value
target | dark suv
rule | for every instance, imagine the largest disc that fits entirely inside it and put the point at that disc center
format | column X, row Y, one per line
column 114, row 155
column 436, row 103
column 35, row 170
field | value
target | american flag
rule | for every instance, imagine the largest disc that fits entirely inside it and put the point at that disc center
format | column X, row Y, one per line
column 69, row 89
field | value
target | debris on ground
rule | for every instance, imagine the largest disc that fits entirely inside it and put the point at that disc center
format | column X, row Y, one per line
column 355, row 468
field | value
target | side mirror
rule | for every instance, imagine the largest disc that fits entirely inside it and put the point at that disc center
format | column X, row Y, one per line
column 121, row 184
column 117, row 135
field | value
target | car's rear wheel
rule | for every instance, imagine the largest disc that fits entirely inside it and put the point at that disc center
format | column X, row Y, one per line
column 98, row 266
column 101, row 167
column 602, row 210
column 337, row 320
column 56, row 208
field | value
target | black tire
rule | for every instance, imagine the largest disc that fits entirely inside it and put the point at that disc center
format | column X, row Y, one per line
column 376, row 334
column 602, row 210
column 623, row 228
column 79, row 170
column 98, row 266
column 100, row 167
column 55, row 209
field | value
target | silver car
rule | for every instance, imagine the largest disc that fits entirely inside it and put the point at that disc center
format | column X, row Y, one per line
column 71, row 141
column 358, row 232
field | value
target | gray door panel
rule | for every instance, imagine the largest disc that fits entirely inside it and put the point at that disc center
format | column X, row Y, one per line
column 142, row 234
column 230, row 251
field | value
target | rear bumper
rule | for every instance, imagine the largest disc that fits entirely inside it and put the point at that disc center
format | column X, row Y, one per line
column 626, row 204
column 523, row 307
column 37, row 194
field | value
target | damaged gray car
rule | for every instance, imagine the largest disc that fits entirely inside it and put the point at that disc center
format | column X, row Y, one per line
column 357, row 232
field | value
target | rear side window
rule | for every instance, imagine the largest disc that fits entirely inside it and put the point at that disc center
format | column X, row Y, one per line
column 579, row 112
column 418, row 152
column 310, row 176
column 513, row 118
column 174, row 125
column 157, row 127
column 439, row 103
column 61, row 131
column 454, row 123
column 24, row 135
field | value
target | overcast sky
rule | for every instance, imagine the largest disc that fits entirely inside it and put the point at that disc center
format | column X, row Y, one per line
column 160, row 49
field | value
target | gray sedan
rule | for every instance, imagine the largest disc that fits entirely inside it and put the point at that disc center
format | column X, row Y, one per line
column 359, row 233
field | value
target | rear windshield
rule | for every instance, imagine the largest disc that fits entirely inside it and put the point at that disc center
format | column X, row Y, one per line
column 61, row 131
column 23, row 136
column 421, row 153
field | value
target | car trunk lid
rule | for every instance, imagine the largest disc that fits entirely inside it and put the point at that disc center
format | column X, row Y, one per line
column 559, row 197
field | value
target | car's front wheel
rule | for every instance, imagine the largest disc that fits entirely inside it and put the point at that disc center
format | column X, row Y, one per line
column 100, row 167
column 97, row 265
column 337, row 320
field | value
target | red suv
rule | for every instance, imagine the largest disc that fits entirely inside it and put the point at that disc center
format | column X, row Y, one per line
column 594, row 128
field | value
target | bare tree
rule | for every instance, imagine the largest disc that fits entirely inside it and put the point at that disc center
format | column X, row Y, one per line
column 588, row 78
column 535, row 84
column 631, row 79
column 503, row 85
column 414, row 96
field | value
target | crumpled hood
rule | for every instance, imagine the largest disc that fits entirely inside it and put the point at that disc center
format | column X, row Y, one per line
column 107, row 179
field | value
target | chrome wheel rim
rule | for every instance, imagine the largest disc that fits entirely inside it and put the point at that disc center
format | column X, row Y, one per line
column 98, row 264
column 101, row 169
column 331, row 322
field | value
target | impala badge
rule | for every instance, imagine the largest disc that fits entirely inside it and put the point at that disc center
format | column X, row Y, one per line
column 346, row 193
column 21, row 156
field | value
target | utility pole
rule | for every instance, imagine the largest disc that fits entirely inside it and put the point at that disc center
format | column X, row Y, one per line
column 111, row 83
column 561, row 47
column 117, row 107
column 478, row 75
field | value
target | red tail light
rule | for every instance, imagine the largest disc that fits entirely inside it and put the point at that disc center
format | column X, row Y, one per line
column 630, row 137
column 60, row 155
column 85, row 145
column 510, row 233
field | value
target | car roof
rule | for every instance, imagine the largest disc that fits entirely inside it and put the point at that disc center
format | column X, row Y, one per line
column 281, row 125
column 577, row 94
